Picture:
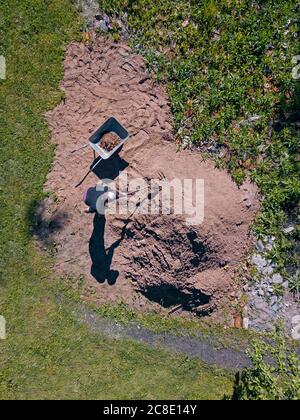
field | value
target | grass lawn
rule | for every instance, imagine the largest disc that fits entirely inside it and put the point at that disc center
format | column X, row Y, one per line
column 47, row 354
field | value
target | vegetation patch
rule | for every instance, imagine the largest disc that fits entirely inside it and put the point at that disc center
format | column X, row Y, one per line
column 275, row 374
column 228, row 69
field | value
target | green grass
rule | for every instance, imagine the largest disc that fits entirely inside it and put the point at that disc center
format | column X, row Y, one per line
column 47, row 354
column 236, row 339
column 223, row 62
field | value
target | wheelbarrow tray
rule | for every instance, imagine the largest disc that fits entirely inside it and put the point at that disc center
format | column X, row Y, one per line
column 112, row 125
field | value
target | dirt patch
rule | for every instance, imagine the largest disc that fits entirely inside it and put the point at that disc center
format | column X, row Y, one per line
column 109, row 141
column 148, row 260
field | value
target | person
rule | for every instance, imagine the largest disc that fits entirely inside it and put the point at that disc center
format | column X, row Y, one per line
column 96, row 198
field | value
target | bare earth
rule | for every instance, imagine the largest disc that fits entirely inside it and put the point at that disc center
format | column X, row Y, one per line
column 150, row 260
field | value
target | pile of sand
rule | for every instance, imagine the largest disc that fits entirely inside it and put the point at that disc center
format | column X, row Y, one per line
column 150, row 260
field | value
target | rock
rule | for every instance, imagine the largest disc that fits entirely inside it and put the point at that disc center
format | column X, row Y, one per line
column 288, row 230
column 101, row 25
column 260, row 246
column 238, row 322
column 248, row 204
column 246, row 323
column 124, row 53
column 267, row 270
column 216, row 37
column 239, row 294
column 259, row 261
column 273, row 300
column 285, row 284
column 258, row 304
column 250, row 120
column 270, row 242
column 186, row 142
column 288, row 23
column 277, row 279
column 260, row 325
column 261, row 292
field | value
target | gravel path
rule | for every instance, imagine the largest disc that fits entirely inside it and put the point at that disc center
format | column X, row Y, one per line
column 191, row 346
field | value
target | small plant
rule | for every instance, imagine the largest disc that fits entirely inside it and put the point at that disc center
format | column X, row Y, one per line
column 294, row 284
column 275, row 374
column 278, row 290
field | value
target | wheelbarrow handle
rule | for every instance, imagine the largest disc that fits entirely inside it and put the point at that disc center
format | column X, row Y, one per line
column 80, row 148
column 87, row 174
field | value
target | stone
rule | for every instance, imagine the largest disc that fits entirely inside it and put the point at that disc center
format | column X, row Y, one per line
column 239, row 294
column 246, row 323
column 258, row 304
column 186, row 142
column 267, row 270
column 288, row 230
column 248, row 204
column 238, row 322
column 259, row 261
column 270, row 242
column 277, row 279
column 270, row 239
column 285, row 284
column 100, row 25
column 260, row 246
column 250, row 120
column 273, row 300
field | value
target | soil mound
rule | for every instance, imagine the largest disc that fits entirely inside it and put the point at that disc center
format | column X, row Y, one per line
column 144, row 260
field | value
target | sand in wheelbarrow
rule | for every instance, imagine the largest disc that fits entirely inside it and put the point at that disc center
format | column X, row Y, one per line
column 161, row 260
column 109, row 141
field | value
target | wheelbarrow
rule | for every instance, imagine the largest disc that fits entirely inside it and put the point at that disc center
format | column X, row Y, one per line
column 111, row 126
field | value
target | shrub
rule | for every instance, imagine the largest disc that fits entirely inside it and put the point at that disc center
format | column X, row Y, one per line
column 275, row 374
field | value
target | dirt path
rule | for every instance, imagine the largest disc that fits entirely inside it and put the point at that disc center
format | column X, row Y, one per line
column 152, row 260
column 191, row 346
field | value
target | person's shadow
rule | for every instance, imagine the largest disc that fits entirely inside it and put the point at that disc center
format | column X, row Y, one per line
column 100, row 256
column 110, row 168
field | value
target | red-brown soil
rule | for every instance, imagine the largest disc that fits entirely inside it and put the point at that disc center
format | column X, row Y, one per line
column 160, row 259
column 109, row 141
